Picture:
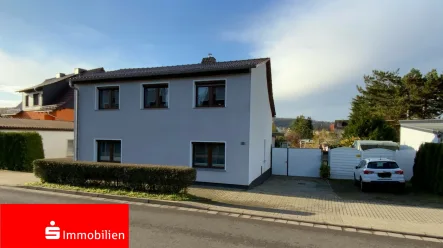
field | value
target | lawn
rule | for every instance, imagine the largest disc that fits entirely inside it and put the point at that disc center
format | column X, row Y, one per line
column 121, row 192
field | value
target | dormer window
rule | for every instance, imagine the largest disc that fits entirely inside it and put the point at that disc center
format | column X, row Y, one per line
column 36, row 99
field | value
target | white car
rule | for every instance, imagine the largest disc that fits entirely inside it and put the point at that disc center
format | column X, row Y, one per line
column 378, row 171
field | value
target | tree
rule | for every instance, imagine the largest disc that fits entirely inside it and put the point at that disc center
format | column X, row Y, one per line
column 274, row 128
column 302, row 127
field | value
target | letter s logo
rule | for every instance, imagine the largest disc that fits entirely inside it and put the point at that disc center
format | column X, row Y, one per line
column 52, row 232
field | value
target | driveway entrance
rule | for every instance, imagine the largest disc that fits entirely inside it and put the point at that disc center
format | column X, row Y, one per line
column 300, row 162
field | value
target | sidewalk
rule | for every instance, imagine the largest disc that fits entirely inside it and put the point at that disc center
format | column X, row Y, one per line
column 327, row 207
column 14, row 178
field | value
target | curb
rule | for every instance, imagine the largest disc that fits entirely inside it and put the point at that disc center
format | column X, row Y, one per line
column 235, row 214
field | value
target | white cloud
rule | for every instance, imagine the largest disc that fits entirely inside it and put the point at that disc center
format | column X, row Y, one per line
column 328, row 43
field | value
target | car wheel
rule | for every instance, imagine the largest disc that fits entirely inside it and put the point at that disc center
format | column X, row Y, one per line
column 363, row 186
column 355, row 181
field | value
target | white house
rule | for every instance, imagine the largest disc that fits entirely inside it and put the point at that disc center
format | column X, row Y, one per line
column 57, row 136
column 413, row 133
column 213, row 116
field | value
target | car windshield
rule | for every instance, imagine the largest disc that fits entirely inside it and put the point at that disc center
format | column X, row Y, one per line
column 382, row 165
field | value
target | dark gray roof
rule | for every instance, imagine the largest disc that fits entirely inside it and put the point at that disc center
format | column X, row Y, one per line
column 28, row 124
column 55, row 80
column 174, row 70
column 433, row 125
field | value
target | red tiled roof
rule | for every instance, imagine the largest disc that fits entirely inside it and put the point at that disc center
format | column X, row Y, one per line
column 28, row 124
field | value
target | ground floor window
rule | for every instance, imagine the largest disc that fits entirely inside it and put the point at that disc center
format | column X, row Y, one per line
column 109, row 151
column 208, row 155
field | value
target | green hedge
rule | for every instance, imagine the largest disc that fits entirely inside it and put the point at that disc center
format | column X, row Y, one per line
column 150, row 178
column 428, row 168
column 19, row 149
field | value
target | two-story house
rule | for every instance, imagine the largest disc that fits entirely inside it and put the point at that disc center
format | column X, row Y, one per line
column 213, row 116
column 51, row 100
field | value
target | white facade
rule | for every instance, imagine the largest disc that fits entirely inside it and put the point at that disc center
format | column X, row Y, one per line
column 260, row 124
column 413, row 138
column 55, row 143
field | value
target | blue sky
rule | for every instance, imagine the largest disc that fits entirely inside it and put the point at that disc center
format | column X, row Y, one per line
column 320, row 50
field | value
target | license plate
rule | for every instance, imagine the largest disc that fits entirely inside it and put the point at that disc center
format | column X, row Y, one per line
column 384, row 175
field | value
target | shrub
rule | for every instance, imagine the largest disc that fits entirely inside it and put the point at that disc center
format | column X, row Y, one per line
column 150, row 178
column 428, row 168
column 19, row 149
column 325, row 170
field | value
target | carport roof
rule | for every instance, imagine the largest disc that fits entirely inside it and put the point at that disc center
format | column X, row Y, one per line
column 433, row 125
column 27, row 124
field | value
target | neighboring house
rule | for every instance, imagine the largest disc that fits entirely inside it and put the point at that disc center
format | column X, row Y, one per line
column 363, row 145
column 413, row 133
column 213, row 116
column 57, row 136
column 51, row 100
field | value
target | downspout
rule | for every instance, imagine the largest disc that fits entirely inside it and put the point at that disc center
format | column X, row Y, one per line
column 76, row 94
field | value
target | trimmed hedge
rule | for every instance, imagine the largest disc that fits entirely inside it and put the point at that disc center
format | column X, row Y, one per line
column 19, row 149
column 150, row 178
column 428, row 168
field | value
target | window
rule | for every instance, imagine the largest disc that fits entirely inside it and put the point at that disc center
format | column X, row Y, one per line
column 108, row 98
column 27, row 100
column 36, row 99
column 155, row 95
column 210, row 94
column 362, row 164
column 208, row 155
column 382, row 165
column 109, row 151
column 70, row 151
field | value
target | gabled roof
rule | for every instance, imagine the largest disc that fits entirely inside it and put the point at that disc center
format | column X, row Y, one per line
column 205, row 68
column 28, row 124
column 55, row 80
column 430, row 125
column 176, row 70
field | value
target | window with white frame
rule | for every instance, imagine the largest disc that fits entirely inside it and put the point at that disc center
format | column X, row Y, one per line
column 108, row 97
column 109, row 151
column 208, row 155
column 210, row 93
column 155, row 96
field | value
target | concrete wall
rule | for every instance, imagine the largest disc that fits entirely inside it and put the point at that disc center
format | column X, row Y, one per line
column 164, row 136
column 55, row 143
column 260, row 126
column 414, row 138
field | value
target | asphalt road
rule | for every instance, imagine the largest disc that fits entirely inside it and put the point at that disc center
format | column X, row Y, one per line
column 158, row 227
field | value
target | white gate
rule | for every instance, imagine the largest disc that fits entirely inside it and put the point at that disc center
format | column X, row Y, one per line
column 342, row 161
column 296, row 162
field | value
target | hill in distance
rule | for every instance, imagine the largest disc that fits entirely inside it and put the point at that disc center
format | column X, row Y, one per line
column 286, row 122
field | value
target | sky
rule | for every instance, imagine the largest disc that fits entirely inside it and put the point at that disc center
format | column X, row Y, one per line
column 320, row 49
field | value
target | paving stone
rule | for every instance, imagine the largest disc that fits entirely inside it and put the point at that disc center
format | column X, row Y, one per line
column 306, row 224
column 347, row 229
column 223, row 213
column 413, row 237
column 335, row 228
column 269, row 219
column 430, row 239
column 245, row 216
column 212, row 212
column 256, row 218
column 234, row 215
column 293, row 222
column 381, row 233
column 396, row 235
column 364, row 231
column 281, row 221
column 321, row 226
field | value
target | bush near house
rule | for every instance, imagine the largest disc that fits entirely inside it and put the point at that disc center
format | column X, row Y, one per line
column 19, row 149
column 325, row 170
column 428, row 168
column 150, row 178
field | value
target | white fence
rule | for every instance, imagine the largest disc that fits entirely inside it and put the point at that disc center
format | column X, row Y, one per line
column 343, row 160
column 296, row 162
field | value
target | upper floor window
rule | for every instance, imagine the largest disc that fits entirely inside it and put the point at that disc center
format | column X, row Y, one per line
column 108, row 97
column 210, row 93
column 36, row 99
column 27, row 100
column 155, row 95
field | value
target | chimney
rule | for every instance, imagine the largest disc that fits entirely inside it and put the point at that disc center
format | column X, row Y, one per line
column 78, row 71
column 209, row 60
column 59, row 75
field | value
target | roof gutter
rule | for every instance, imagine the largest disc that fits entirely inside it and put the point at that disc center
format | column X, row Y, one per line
column 76, row 95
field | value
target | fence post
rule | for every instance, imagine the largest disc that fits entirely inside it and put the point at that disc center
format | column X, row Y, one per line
column 287, row 161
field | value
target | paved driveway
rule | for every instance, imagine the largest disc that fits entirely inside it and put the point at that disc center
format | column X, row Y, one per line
column 316, row 200
column 13, row 178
